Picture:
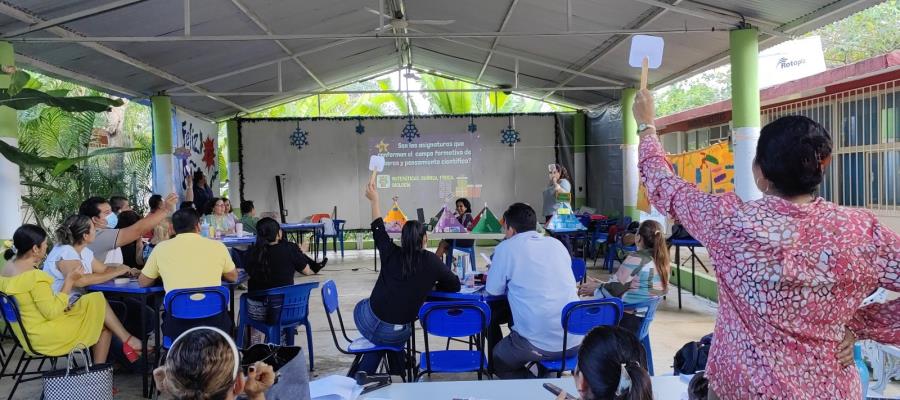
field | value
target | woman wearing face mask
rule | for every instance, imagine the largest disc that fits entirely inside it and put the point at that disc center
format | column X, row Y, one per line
column 204, row 363
column 47, row 314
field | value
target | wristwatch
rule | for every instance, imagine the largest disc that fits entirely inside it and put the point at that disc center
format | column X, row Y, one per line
column 644, row 127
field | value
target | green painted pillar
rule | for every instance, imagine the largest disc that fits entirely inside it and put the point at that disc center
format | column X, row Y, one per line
column 11, row 194
column 580, row 169
column 630, row 177
column 163, row 160
column 745, row 109
column 234, row 179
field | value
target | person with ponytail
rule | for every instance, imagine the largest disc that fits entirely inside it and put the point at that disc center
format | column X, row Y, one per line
column 642, row 276
column 272, row 261
column 408, row 273
column 792, row 268
column 55, row 325
column 611, row 367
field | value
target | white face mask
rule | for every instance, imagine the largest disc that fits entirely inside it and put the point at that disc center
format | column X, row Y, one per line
column 112, row 220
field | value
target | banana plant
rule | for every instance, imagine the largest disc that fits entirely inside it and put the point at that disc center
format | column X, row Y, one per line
column 19, row 96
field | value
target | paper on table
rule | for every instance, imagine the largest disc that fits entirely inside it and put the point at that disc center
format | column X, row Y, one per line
column 467, row 290
column 334, row 387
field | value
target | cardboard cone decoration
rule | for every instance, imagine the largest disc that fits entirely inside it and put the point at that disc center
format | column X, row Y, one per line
column 487, row 222
column 449, row 223
column 564, row 219
column 395, row 218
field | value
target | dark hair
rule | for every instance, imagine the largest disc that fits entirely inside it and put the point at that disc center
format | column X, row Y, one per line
column 117, row 202
column 24, row 239
column 73, row 229
column 185, row 221
column 563, row 172
column 651, row 233
column 465, row 203
column 791, row 153
column 198, row 366
column 247, row 206
column 127, row 218
column 186, row 205
column 521, row 217
column 198, row 175
column 411, row 247
column 227, row 202
column 266, row 231
column 155, row 202
column 91, row 206
column 603, row 351
column 211, row 205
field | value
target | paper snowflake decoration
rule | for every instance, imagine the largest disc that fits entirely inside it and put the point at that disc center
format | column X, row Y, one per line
column 298, row 138
column 510, row 136
column 410, row 132
column 472, row 127
column 360, row 129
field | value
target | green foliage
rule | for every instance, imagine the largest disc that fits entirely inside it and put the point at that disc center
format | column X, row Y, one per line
column 708, row 88
column 863, row 35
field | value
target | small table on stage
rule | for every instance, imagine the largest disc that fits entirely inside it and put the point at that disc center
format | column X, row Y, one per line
column 566, row 235
column 691, row 244
column 142, row 294
column 297, row 230
column 664, row 388
column 449, row 236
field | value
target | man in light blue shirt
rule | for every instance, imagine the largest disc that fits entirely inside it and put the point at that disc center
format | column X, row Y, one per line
column 535, row 273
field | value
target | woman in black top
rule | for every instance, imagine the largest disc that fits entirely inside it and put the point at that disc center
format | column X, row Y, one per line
column 408, row 273
column 271, row 262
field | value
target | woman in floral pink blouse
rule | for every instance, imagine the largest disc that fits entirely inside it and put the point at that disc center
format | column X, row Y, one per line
column 792, row 268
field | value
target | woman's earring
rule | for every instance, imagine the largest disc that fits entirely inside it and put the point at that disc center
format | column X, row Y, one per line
column 766, row 190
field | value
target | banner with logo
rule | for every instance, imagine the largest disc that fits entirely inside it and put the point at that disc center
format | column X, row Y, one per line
column 195, row 148
column 711, row 169
column 791, row 60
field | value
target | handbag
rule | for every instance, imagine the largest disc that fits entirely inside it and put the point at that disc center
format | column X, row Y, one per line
column 94, row 381
column 289, row 363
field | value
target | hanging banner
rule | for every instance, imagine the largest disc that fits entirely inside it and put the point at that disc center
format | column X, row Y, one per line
column 711, row 169
column 195, row 148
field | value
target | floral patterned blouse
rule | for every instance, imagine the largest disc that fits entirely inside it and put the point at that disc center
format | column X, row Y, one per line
column 791, row 277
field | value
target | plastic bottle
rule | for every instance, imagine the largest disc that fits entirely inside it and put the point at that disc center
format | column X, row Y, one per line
column 204, row 229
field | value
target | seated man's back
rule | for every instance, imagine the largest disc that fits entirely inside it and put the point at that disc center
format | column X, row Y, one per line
column 189, row 261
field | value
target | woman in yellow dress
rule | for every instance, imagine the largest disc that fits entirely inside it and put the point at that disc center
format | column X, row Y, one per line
column 53, row 327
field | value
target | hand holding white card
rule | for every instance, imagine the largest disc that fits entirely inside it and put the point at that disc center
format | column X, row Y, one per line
column 376, row 163
column 646, row 52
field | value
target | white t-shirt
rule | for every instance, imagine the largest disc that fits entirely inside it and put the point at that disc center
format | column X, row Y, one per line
column 535, row 273
column 64, row 252
column 114, row 257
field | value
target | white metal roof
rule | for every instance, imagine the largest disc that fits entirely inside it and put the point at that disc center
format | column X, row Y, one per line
column 219, row 58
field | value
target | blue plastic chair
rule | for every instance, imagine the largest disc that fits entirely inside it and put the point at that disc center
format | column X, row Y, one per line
column 10, row 310
column 578, row 318
column 862, row 368
column 579, row 269
column 356, row 347
column 453, row 319
column 286, row 308
column 337, row 237
column 195, row 303
column 648, row 308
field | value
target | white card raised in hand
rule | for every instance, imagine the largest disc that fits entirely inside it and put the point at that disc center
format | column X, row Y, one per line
column 647, row 46
column 376, row 163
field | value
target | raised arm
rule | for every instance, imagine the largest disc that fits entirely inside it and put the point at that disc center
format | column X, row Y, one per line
column 134, row 232
column 881, row 322
column 698, row 211
column 383, row 242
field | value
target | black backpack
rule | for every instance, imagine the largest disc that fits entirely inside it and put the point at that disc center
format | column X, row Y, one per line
column 692, row 356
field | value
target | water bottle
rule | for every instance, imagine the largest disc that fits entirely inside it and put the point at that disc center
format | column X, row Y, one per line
column 204, row 229
column 461, row 268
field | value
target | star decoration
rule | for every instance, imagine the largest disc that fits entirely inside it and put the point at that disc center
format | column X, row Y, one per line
column 410, row 131
column 510, row 136
column 382, row 147
column 298, row 138
column 209, row 153
column 360, row 129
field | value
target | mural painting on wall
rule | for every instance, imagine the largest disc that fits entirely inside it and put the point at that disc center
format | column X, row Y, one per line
column 197, row 151
column 711, row 169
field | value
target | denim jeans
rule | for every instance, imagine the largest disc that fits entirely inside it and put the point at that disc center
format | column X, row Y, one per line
column 382, row 334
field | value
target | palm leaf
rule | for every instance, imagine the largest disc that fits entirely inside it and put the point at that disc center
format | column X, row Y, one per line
column 27, row 98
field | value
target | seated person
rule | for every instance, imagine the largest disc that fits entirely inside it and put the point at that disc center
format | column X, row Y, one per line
column 611, row 366
column 643, row 275
column 464, row 216
column 248, row 216
column 132, row 253
column 54, row 324
column 119, row 204
column 217, row 217
column 104, row 220
column 535, row 273
column 272, row 261
column 204, row 363
column 679, row 232
column 189, row 261
column 408, row 273
column 72, row 252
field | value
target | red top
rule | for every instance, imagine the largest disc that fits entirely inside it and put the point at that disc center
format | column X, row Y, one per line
column 790, row 277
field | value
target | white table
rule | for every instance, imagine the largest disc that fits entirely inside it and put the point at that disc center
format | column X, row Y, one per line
column 664, row 388
column 456, row 236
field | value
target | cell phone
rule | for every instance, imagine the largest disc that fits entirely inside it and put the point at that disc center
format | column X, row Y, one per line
column 556, row 391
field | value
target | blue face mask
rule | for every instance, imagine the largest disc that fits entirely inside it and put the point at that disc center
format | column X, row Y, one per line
column 112, row 220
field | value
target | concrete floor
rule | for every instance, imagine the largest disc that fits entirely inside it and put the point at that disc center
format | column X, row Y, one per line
column 355, row 277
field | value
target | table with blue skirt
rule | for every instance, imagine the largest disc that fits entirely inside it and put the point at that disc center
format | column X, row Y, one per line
column 568, row 236
column 691, row 245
